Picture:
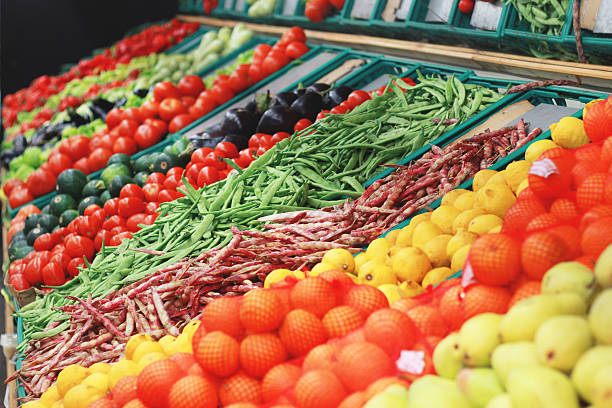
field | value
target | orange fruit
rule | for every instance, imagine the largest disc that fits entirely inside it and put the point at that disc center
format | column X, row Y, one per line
column 540, row 251
column 241, row 405
column 583, row 169
column 223, row 314
column 553, row 153
column 526, row 194
column 587, row 260
column 564, row 209
column 428, row 320
column 260, row 352
column 183, row 360
column 354, row 400
column 135, row 403
column 518, row 216
column 596, row 121
column 542, row 221
column 239, row 388
column 527, row 289
column 428, row 367
column 483, row 299
column 391, row 330
column 495, row 259
column 549, row 187
column 105, row 402
column 380, row 385
column 337, row 277
column 591, row 191
column 449, row 283
column 595, row 213
column 588, row 152
column 608, row 189
column 301, row 331
column 356, row 336
column 597, row 236
column 125, row 390
column 314, row 294
column 606, row 148
column 192, row 392
column 452, row 308
column 322, row 356
column 433, row 341
column 405, row 304
column 365, row 299
column 155, row 382
column 218, row 354
column 341, row 320
column 319, row 389
column 360, row 364
column 571, row 236
column 278, row 380
column 261, row 311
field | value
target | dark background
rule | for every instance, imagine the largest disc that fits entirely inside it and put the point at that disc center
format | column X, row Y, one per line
column 38, row 36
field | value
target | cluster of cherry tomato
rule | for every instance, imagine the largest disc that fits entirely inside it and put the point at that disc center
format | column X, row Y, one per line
column 467, row 6
column 317, row 10
column 150, row 40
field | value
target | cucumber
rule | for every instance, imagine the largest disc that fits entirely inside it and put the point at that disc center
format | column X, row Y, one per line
column 48, row 222
column 61, row 203
column 117, row 184
column 71, row 182
column 87, row 201
column 165, row 162
column 93, row 188
column 67, row 216
column 113, row 170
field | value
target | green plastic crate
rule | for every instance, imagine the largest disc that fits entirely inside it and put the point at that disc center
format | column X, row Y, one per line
column 474, row 36
column 335, row 22
column 417, row 26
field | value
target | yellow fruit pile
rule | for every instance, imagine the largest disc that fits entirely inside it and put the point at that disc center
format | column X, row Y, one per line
column 77, row 386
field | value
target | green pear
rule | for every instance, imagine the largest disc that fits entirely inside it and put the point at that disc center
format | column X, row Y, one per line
column 603, row 268
column 479, row 385
column 602, row 388
column 432, row 391
column 478, row 337
column 394, row 396
column 570, row 277
column 587, row 366
column 600, row 317
column 540, row 387
column 524, row 318
column 561, row 340
column 501, row 401
column 447, row 357
column 509, row 355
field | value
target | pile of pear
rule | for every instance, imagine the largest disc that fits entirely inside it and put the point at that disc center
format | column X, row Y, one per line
column 552, row 350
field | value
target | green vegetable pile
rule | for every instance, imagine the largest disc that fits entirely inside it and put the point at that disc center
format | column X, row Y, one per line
column 544, row 17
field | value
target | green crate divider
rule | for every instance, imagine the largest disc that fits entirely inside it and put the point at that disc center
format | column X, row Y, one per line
column 375, row 70
column 416, row 24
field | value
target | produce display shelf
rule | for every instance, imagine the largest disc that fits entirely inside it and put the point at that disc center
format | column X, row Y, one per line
column 188, row 43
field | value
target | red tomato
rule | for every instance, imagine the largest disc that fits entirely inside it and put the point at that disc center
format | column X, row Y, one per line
column 321, row 115
column 175, row 171
column 98, row 158
column 191, row 85
column 200, row 154
column 59, row 234
column 131, row 190
column 197, row 110
column 301, row 125
column 19, row 282
column 179, row 121
column 78, row 246
column 207, row 175
column 193, row 169
column 238, row 81
column 293, row 34
column 212, row 159
column 166, row 195
column 102, row 237
column 91, row 208
column 75, row 147
column 337, row 3
column 116, row 240
column 41, row 182
column 44, row 242
column 296, row 49
column 188, row 101
column 356, row 98
column 83, row 165
column 244, row 158
column 106, row 142
column 278, row 136
column 151, row 191
column 117, row 230
column 165, row 89
column 157, row 124
column 151, row 208
column 170, row 107
column 130, row 205
column 113, row 117
column 134, row 220
column 172, row 182
column 274, row 61
column 149, row 109
column 53, row 274
column 133, row 114
column 256, row 73
column 19, row 196
column 156, row 177
column 339, row 110
column 260, row 53
column 227, row 150
column 150, row 218
column 127, row 128
column 33, row 270
column 43, row 256
column 265, row 141
column 12, row 183
column 112, row 222
column 87, row 226
column 110, row 206
column 466, row 6
column 72, row 268
column 221, row 93
column 316, row 10
column 58, row 162
column 125, row 145
column 146, row 136
column 61, row 258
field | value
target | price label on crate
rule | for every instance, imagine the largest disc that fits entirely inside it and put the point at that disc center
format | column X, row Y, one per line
column 486, row 15
column 289, row 7
column 362, row 9
column 438, row 11
column 404, row 8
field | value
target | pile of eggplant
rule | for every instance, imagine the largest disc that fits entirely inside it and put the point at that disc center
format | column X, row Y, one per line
column 264, row 114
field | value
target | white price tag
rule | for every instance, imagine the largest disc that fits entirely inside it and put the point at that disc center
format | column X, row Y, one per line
column 412, row 362
column 543, row 168
column 486, row 15
column 438, row 11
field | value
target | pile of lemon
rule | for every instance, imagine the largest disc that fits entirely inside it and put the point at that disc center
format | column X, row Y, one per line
column 77, row 386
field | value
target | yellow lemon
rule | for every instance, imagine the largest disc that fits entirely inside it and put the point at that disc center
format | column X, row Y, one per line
column 149, row 358
column 35, row 404
column 495, row 230
column 424, row 232
column 569, row 133
column 450, row 197
column 97, row 380
column 134, row 342
column 50, row 396
column 340, row 259
column 183, row 344
column 146, row 348
column 499, row 177
column 165, row 342
column 495, row 198
column 299, row 274
column 392, row 236
column 436, row 250
column 392, row 292
column 80, row 396
column 516, row 172
column 99, row 368
column 484, row 223
column 58, row 404
column 378, row 250
column 435, row 276
column 465, row 201
column 376, row 273
column 120, row 369
column 404, row 238
column 459, row 240
column 411, row 288
column 360, row 259
column 444, row 216
column 410, row 264
column 481, row 178
column 190, row 328
column 524, row 184
column 463, row 220
column 69, row 377
column 459, row 258
column 321, row 267
column 393, row 251
column 535, row 150
column 354, row 278
column 277, row 275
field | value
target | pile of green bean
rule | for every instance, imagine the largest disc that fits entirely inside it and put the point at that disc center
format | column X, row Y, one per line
column 543, row 16
column 319, row 167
